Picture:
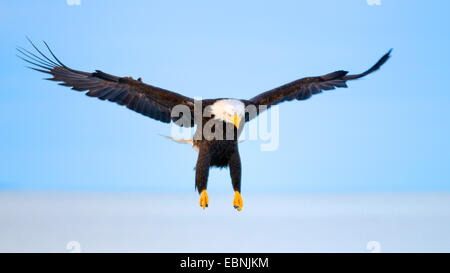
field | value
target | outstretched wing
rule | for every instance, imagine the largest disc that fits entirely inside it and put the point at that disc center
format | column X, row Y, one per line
column 303, row 89
column 145, row 99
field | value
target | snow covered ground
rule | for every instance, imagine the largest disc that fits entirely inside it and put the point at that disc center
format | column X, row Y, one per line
column 133, row 222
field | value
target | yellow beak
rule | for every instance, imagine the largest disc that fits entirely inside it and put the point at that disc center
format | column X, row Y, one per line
column 236, row 121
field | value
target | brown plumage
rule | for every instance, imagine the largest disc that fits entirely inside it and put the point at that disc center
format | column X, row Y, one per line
column 158, row 103
column 145, row 99
column 304, row 88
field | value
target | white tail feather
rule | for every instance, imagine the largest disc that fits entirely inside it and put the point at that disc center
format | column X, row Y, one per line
column 183, row 141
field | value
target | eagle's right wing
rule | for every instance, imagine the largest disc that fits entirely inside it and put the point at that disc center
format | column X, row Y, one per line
column 151, row 101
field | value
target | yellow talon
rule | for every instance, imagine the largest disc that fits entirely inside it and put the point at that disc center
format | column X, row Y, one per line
column 237, row 202
column 204, row 199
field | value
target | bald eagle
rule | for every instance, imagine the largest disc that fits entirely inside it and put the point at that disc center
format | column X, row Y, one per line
column 224, row 116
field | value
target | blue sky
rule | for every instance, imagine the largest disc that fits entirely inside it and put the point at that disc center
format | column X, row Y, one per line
column 387, row 132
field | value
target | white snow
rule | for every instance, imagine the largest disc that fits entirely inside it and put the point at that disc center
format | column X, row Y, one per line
column 134, row 222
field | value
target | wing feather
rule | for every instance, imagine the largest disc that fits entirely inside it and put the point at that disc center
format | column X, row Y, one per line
column 303, row 89
column 151, row 101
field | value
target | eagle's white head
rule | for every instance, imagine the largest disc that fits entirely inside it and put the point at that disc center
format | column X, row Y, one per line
column 229, row 110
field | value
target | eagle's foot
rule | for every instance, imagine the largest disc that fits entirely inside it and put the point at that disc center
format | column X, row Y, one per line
column 237, row 202
column 204, row 199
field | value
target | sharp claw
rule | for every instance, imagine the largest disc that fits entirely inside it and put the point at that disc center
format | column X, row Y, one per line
column 237, row 202
column 204, row 199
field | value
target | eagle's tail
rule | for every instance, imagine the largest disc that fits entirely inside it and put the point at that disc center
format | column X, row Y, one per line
column 183, row 141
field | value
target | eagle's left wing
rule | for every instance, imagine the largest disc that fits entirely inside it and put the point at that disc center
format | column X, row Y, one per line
column 304, row 88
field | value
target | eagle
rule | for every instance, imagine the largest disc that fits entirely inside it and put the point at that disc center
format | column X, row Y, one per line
column 219, row 121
